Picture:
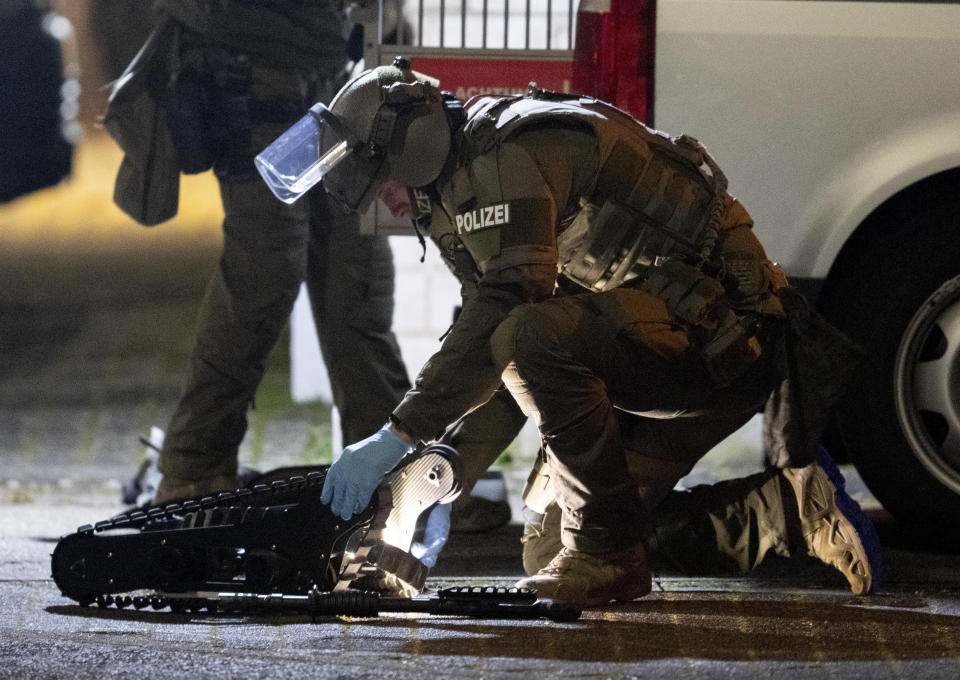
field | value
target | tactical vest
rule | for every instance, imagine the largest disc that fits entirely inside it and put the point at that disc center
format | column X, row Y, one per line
column 304, row 33
column 654, row 196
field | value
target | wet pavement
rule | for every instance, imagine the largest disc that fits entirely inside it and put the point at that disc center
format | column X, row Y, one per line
column 790, row 619
column 95, row 327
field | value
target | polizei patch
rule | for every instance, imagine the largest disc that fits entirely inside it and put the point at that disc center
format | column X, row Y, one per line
column 494, row 215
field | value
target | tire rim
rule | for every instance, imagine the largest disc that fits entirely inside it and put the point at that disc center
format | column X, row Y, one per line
column 927, row 384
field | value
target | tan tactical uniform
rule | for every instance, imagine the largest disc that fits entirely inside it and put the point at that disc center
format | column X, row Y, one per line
column 626, row 378
column 258, row 66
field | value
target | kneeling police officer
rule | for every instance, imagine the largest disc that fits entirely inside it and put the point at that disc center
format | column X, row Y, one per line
column 609, row 281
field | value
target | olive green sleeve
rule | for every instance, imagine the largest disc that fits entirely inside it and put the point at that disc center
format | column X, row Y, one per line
column 461, row 375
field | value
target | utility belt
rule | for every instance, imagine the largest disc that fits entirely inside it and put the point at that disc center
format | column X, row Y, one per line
column 610, row 244
column 729, row 342
column 218, row 95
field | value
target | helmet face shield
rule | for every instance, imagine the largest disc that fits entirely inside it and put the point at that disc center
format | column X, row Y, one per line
column 306, row 153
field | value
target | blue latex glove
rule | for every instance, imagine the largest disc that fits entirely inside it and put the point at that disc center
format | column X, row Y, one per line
column 358, row 472
column 434, row 536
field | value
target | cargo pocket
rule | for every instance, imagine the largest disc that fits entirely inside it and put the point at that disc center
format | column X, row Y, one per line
column 644, row 320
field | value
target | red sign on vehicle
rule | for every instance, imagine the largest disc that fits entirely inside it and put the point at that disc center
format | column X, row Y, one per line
column 479, row 75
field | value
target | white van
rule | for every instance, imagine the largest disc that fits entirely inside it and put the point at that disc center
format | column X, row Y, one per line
column 838, row 125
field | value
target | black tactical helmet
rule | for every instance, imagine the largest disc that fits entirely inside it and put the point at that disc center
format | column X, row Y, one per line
column 398, row 130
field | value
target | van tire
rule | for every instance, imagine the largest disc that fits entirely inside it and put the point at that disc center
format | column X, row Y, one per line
column 899, row 297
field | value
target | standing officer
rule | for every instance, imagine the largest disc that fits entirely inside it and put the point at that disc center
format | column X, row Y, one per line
column 223, row 79
column 609, row 281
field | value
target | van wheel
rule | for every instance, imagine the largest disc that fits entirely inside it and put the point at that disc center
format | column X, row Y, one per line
column 900, row 421
column 926, row 390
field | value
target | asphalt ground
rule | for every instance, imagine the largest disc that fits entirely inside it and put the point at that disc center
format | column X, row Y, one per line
column 791, row 619
column 96, row 320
